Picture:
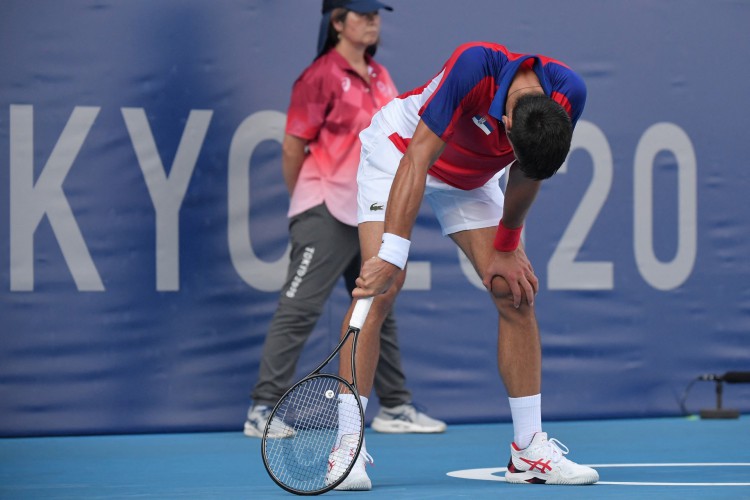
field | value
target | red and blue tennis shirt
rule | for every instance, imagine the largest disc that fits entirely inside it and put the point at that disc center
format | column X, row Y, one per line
column 464, row 105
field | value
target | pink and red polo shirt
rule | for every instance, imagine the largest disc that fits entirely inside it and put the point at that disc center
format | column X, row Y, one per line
column 330, row 105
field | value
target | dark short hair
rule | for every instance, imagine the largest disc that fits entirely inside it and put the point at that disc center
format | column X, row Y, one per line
column 540, row 134
column 332, row 36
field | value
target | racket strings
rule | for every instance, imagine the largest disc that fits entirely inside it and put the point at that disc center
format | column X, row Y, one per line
column 302, row 449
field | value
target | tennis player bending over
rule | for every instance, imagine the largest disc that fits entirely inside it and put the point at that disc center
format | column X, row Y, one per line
column 448, row 141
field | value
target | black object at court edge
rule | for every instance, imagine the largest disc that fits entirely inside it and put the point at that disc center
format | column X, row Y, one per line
column 729, row 378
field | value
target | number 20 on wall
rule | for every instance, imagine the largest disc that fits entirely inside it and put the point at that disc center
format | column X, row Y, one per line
column 564, row 272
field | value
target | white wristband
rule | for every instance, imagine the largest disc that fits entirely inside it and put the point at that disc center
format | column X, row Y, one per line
column 394, row 249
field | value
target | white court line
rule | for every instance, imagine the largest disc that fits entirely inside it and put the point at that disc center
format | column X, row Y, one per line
column 489, row 474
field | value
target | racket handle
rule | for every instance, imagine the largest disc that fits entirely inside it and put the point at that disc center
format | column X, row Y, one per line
column 361, row 308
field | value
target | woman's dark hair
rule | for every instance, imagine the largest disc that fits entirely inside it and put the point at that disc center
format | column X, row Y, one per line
column 540, row 134
column 332, row 36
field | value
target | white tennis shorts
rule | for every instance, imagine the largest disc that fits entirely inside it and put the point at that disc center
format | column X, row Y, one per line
column 456, row 209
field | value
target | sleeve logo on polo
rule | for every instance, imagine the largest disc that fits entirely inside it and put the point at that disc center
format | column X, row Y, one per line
column 483, row 123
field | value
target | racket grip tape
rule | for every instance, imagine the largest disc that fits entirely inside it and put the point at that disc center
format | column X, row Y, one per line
column 361, row 308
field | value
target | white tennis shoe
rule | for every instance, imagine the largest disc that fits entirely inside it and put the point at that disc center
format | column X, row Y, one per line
column 405, row 419
column 544, row 462
column 340, row 458
column 255, row 424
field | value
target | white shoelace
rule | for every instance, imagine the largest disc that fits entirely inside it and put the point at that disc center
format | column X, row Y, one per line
column 557, row 449
column 366, row 456
column 362, row 453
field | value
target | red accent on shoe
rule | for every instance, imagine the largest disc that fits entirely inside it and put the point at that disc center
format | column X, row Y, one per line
column 536, row 480
column 540, row 465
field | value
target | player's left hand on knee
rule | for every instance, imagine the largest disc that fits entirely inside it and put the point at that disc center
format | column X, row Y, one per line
column 515, row 268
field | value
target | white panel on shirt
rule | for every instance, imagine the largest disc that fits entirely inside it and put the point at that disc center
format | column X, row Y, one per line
column 402, row 115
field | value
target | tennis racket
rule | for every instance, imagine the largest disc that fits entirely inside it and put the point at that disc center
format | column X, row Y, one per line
column 303, row 427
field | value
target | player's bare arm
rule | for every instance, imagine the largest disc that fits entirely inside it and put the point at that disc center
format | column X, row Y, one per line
column 515, row 267
column 408, row 186
column 405, row 198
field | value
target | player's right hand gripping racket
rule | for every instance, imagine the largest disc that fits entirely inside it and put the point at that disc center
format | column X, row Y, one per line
column 304, row 425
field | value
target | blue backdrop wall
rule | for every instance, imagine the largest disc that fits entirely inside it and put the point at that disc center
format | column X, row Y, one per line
column 143, row 230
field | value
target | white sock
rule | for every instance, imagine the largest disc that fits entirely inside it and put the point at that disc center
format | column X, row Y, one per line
column 527, row 418
column 347, row 426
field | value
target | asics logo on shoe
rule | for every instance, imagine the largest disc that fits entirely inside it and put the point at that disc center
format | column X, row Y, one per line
column 331, row 462
column 540, row 465
column 375, row 207
column 260, row 421
column 400, row 416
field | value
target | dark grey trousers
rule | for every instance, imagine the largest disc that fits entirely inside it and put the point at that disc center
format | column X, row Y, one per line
column 323, row 249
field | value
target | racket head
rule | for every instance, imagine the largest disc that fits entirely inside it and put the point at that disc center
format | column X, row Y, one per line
column 301, row 433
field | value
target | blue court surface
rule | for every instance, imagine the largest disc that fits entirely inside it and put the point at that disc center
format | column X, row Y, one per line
column 647, row 458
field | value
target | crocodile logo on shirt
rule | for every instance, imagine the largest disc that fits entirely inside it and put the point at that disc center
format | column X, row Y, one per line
column 376, row 206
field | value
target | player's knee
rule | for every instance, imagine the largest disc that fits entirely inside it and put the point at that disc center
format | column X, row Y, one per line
column 500, row 289
column 503, row 298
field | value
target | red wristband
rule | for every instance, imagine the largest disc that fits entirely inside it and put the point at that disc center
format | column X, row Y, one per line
column 506, row 240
